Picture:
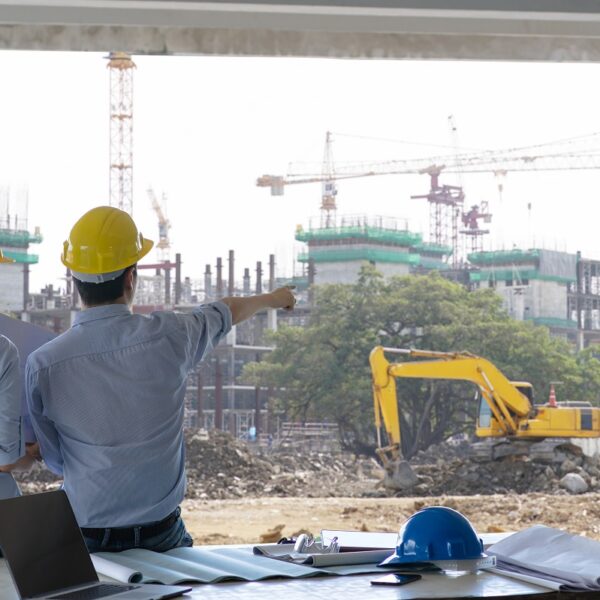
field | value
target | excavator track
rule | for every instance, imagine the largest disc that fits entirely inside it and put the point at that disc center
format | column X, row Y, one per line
column 548, row 450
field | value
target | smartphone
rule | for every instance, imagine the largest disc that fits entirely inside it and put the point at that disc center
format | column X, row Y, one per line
column 395, row 579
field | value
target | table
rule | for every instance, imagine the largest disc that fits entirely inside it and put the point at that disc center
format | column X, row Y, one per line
column 482, row 585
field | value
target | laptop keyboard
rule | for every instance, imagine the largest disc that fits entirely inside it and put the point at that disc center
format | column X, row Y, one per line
column 96, row 591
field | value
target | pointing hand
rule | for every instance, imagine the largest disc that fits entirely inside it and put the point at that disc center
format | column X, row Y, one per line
column 283, row 297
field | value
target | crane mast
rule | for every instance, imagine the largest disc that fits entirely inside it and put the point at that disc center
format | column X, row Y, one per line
column 163, row 247
column 121, row 69
column 329, row 190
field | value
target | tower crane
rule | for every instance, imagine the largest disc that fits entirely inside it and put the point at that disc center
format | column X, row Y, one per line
column 164, row 225
column 329, row 190
column 575, row 153
column 579, row 153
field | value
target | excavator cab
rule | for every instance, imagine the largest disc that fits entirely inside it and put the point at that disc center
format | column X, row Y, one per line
column 484, row 417
column 526, row 389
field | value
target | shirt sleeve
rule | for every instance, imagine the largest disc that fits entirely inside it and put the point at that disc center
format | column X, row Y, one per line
column 43, row 427
column 12, row 443
column 205, row 327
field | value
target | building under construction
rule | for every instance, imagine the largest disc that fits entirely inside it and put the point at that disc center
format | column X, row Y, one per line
column 15, row 241
column 533, row 284
column 337, row 253
column 556, row 289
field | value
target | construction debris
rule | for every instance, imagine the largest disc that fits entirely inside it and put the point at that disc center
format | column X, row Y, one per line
column 449, row 469
column 273, row 535
column 221, row 467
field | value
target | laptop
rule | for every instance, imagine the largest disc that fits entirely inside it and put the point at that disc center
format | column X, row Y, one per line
column 48, row 558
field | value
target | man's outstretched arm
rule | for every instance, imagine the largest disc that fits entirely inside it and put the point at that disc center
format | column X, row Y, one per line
column 244, row 307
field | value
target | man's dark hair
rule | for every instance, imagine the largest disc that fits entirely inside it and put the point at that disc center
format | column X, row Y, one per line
column 93, row 294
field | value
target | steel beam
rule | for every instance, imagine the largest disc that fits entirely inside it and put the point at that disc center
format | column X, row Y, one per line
column 545, row 30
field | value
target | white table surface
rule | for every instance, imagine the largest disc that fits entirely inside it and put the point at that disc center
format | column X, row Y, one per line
column 345, row 588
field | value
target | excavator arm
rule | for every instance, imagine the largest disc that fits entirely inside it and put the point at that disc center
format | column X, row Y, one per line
column 506, row 403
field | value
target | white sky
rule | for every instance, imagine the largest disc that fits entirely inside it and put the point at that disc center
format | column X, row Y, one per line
column 205, row 128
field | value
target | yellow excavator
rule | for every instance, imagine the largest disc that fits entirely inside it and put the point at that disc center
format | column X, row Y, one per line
column 507, row 412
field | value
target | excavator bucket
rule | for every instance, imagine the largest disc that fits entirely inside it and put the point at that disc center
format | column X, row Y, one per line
column 399, row 475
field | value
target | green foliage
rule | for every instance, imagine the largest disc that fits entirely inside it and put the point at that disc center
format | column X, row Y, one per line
column 321, row 372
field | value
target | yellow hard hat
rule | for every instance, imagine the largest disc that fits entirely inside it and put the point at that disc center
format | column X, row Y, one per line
column 102, row 244
column 5, row 259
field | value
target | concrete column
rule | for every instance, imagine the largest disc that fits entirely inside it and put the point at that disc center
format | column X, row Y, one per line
column 231, row 281
column 259, row 277
column 219, row 293
column 208, row 282
column 177, row 278
column 25, row 285
column 257, row 423
column 311, row 279
column 167, row 286
column 218, row 395
column 271, row 272
column 246, row 287
column 199, row 399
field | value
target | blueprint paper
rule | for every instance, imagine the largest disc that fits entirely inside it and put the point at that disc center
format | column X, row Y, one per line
column 207, row 565
column 571, row 562
column 114, row 570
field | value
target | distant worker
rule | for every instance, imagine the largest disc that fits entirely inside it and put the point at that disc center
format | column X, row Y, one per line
column 106, row 397
column 12, row 442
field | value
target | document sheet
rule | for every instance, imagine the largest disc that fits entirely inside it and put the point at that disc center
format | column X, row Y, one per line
column 549, row 557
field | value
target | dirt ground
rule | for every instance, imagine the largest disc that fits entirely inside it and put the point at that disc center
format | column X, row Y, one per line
column 244, row 521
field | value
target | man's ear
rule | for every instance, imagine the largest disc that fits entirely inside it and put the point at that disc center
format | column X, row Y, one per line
column 129, row 277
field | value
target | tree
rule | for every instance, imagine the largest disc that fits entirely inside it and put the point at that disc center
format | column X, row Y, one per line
column 321, row 371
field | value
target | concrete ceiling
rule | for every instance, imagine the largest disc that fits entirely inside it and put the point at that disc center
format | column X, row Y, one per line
column 545, row 30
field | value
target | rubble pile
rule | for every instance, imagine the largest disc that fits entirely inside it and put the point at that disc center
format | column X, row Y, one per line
column 219, row 466
column 450, row 470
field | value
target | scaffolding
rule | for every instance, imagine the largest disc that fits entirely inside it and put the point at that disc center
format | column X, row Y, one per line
column 368, row 254
column 372, row 239
column 514, row 256
column 584, row 302
column 363, row 232
column 19, row 238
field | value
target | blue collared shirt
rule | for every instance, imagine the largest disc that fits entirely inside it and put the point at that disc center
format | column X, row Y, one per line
column 106, row 400
column 12, row 443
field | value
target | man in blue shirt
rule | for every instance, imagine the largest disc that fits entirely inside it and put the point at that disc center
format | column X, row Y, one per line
column 106, row 398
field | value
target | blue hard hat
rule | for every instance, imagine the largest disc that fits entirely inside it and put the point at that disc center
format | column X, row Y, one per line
column 433, row 534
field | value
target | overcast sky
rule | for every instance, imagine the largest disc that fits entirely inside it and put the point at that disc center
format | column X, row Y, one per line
column 205, row 128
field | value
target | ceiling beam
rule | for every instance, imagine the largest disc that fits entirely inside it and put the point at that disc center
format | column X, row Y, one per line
column 504, row 30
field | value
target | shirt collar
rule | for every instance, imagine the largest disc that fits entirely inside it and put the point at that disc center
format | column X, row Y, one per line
column 100, row 312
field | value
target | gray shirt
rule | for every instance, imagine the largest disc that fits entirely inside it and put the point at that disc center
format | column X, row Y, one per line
column 12, row 443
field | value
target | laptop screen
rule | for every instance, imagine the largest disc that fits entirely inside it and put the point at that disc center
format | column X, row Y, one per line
column 43, row 545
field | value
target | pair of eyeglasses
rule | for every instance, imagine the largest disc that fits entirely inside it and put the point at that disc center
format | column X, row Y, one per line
column 306, row 544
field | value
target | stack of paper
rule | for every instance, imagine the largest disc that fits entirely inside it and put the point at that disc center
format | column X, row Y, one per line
column 549, row 557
